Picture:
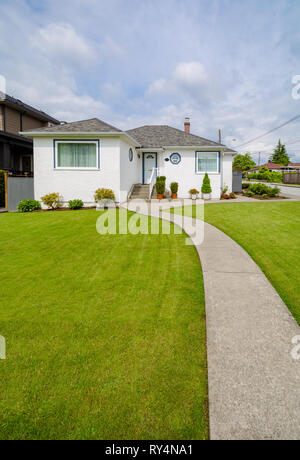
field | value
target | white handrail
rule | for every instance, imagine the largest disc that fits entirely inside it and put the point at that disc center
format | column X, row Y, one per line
column 152, row 181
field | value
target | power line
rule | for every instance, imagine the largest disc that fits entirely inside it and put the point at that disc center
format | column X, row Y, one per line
column 269, row 132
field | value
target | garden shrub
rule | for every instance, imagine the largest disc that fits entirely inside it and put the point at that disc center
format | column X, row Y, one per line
column 75, row 204
column 174, row 187
column 2, row 189
column 273, row 191
column 194, row 191
column 161, row 179
column 104, row 194
column 160, row 187
column 245, row 186
column 232, row 195
column 52, row 200
column 263, row 189
column 206, row 188
column 29, row 206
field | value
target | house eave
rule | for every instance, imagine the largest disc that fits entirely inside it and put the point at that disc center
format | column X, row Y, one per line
column 72, row 135
column 192, row 147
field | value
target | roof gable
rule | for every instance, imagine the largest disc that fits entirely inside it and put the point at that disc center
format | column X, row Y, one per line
column 157, row 136
column 93, row 125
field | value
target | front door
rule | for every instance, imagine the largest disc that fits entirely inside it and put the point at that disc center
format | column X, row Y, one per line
column 149, row 162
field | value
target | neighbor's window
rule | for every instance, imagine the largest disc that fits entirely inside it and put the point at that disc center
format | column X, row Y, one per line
column 207, row 162
column 77, row 155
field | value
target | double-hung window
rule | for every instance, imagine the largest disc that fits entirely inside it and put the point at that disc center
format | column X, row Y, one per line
column 76, row 154
column 207, row 162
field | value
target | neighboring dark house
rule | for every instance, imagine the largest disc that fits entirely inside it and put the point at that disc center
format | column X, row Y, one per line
column 16, row 151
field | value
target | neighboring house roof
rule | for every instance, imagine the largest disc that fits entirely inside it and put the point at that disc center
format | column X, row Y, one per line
column 296, row 165
column 268, row 165
column 16, row 103
column 158, row 136
column 93, row 125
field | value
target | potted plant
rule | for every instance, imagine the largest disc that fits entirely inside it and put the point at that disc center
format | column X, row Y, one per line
column 194, row 193
column 105, row 198
column 174, row 189
column 160, row 188
column 206, row 188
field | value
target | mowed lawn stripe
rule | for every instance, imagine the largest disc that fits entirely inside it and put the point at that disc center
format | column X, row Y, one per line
column 105, row 334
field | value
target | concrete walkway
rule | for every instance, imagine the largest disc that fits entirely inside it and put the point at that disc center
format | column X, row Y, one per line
column 254, row 383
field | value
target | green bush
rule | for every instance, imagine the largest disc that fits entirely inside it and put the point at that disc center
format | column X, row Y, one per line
column 52, row 200
column 160, row 187
column 174, row 187
column 263, row 189
column 249, row 193
column 75, row 204
column 161, row 179
column 245, row 186
column 194, row 191
column 276, row 177
column 274, row 191
column 206, row 188
column 29, row 206
column 104, row 194
column 269, row 176
column 2, row 189
column 258, row 188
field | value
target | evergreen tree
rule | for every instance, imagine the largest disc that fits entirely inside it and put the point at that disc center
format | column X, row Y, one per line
column 244, row 162
column 280, row 156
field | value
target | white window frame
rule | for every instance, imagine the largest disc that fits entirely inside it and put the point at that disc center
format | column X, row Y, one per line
column 218, row 172
column 56, row 142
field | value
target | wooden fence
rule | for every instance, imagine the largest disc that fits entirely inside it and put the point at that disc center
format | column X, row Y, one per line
column 291, row 178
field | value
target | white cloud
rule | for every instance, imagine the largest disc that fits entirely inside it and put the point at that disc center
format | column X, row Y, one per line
column 60, row 41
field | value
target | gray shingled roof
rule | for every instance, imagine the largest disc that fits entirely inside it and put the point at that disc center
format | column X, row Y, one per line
column 230, row 151
column 26, row 108
column 94, row 125
column 160, row 136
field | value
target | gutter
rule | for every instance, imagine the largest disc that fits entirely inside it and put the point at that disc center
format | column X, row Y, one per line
column 78, row 134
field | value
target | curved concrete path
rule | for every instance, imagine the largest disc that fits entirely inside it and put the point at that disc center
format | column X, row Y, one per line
column 254, row 383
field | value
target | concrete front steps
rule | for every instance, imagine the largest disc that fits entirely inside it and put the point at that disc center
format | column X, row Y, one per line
column 140, row 192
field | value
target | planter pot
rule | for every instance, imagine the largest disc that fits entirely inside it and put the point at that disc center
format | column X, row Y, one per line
column 160, row 196
column 105, row 204
column 206, row 196
column 194, row 197
column 174, row 196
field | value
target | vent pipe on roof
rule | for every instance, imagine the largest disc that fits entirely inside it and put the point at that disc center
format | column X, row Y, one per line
column 187, row 125
column 220, row 136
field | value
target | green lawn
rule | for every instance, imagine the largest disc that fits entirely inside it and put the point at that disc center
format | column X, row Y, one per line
column 270, row 233
column 105, row 334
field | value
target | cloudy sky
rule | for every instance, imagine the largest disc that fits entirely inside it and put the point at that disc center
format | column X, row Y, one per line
column 227, row 64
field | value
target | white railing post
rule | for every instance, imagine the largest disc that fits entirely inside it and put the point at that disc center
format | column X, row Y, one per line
column 152, row 181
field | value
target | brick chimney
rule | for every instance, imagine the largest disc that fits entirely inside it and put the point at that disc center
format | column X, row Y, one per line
column 187, row 125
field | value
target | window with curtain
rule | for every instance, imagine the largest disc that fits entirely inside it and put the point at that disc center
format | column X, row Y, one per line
column 76, row 155
column 207, row 162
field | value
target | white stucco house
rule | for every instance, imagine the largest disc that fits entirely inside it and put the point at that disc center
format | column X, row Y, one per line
column 75, row 159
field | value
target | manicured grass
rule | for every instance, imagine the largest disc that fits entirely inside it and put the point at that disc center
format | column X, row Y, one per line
column 105, row 334
column 270, row 233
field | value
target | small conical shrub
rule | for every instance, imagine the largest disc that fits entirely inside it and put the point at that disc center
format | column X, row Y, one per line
column 206, row 188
